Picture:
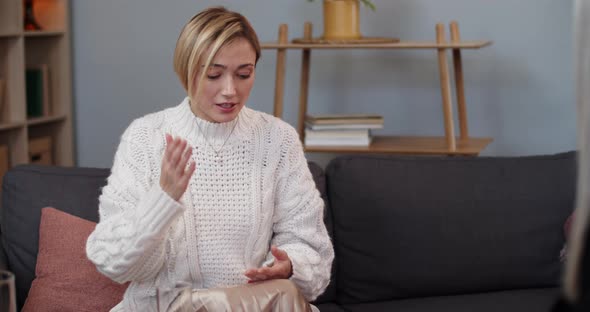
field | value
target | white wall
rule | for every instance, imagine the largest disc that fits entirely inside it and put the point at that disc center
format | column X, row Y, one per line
column 519, row 91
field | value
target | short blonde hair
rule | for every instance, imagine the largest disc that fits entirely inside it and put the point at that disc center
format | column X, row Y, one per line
column 208, row 31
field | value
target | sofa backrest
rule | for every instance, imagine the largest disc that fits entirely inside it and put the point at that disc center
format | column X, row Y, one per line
column 27, row 189
column 429, row 226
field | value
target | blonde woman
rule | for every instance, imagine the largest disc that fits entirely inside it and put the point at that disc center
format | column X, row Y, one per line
column 576, row 286
column 210, row 194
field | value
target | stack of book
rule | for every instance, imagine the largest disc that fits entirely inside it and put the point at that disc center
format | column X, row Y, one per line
column 341, row 130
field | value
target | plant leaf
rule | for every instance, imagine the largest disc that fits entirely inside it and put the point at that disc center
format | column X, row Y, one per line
column 370, row 5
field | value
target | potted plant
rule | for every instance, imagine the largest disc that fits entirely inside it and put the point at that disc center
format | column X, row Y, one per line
column 341, row 19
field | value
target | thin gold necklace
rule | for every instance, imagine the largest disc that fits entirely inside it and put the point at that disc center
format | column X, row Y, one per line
column 225, row 141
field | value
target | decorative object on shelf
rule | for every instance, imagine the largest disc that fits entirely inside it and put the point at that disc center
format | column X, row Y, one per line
column 342, row 24
column 341, row 20
column 37, row 85
column 30, row 22
column 40, row 151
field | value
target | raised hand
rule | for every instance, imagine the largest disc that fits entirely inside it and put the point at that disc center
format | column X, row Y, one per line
column 280, row 269
column 175, row 174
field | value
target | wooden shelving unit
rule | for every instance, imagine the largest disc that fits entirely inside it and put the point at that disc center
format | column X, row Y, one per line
column 20, row 49
column 449, row 144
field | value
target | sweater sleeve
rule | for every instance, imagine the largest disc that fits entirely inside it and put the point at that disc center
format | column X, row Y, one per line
column 299, row 227
column 128, row 243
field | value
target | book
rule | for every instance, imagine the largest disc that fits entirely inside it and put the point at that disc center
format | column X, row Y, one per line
column 356, row 142
column 342, row 133
column 344, row 119
column 37, row 91
column 343, row 126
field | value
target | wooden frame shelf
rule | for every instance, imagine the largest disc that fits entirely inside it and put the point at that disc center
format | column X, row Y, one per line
column 44, row 33
column 48, row 49
column 10, row 35
column 45, row 120
column 390, row 46
column 410, row 145
column 7, row 126
column 449, row 144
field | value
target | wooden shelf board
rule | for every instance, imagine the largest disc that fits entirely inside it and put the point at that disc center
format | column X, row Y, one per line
column 411, row 145
column 4, row 126
column 45, row 120
column 399, row 45
column 44, row 33
column 10, row 34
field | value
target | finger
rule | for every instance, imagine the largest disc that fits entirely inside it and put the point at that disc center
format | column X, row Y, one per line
column 186, row 156
column 256, row 275
column 258, row 278
column 177, row 153
column 279, row 254
column 268, row 272
column 250, row 273
column 188, row 174
column 170, row 142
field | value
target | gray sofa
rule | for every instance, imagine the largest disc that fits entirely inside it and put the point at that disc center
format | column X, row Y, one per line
column 410, row 233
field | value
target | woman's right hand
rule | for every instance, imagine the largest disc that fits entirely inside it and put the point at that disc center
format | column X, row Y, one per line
column 175, row 174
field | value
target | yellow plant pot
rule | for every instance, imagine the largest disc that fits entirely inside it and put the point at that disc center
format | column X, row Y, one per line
column 341, row 19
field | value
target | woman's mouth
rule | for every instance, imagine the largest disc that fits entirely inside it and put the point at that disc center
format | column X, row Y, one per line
column 226, row 107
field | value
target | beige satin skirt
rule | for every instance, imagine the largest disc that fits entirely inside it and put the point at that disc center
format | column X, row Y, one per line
column 274, row 295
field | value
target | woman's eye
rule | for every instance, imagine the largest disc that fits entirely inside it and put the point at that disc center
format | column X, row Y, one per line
column 213, row 77
column 244, row 76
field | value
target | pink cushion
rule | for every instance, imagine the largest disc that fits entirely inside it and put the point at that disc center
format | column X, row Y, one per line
column 65, row 279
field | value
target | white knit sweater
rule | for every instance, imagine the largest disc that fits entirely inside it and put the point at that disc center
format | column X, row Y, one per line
column 255, row 191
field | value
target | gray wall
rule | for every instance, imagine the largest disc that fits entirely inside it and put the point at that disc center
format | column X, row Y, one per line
column 519, row 91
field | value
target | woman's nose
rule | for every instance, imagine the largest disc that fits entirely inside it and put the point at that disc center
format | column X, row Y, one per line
column 229, row 87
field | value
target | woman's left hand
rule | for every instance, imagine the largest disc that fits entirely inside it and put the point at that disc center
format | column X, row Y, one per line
column 280, row 269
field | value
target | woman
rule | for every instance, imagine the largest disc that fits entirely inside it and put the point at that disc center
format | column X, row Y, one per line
column 199, row 192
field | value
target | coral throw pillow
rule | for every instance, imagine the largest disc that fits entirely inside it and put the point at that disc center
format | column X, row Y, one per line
column 65, row 279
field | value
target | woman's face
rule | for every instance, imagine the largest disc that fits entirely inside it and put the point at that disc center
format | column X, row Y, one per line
column 227, row 82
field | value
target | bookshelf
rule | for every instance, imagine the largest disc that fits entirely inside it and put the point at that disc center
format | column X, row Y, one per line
column 448, row 144
column 19, row 50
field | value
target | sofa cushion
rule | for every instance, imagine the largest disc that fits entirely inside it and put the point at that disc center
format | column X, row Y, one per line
column 25, row 191
column 427, row 226
column 527, row 300
column 65, row 279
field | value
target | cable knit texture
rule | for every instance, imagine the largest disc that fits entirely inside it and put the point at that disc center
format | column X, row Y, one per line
column 251, row 188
